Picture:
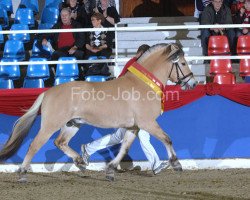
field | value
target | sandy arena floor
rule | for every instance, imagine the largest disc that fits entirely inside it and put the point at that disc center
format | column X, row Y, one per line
column 201, row 184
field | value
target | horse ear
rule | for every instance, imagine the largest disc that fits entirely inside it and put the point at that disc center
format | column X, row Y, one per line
column 173, row 51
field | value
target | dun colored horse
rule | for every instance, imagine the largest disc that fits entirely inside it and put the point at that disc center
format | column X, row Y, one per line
column 133, row 101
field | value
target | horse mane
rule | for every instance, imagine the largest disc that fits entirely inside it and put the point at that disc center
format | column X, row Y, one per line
column 171, row 51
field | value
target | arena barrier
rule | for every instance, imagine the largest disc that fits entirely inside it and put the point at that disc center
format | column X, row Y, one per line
column 210, row 132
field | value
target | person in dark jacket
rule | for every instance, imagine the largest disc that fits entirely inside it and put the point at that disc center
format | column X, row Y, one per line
column 78, row 12
column 217, row 13
column 67, row 43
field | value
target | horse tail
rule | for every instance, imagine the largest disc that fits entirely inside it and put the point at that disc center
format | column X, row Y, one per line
column 20, row 130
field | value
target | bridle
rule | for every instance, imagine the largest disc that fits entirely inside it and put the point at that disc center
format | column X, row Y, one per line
column 177, row 65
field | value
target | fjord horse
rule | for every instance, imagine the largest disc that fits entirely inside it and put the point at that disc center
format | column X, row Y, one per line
column 108, row 104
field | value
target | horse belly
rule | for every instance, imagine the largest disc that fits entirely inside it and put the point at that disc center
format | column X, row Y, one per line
column 109, row 114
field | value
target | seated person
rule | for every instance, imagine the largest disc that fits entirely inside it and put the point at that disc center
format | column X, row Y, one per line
column 98, row 42
column 243, row 17
column 216, row 13
column 108, row 9
column 66, row 43
column 78, row 12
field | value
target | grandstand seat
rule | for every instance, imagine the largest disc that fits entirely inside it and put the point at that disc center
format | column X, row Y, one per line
column 37, row 53
column 32, row 4
column 25, row 16
column 53, row 3
column 36, row 73
column 5, row 20
column 243, row 45
column 220, row 66
column 226, row 78
column 218, row 45
column 45, row 26
column 247, row 79
column 96, row 78
column 7, row 4
column 50, row 15
column 24, row 37
column 14, row 49
column 8, row 73
column 1, row 36
column 244, row 67
column 66, row 72
column 96, row 57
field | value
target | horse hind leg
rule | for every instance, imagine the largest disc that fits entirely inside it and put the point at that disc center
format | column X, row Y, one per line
column 67, row 132
column 165, row 139
column 41, row 138
column 126, row 143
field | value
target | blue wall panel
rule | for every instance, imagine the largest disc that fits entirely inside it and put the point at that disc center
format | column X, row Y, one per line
column 211, row 127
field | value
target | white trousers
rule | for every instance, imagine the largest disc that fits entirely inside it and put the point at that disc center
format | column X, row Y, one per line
column 117, row 137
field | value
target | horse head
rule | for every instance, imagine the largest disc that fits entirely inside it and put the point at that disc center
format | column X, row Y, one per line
column 180, row 72
column 167, row 62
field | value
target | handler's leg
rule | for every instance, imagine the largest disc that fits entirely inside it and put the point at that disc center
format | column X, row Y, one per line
column 156, row 165
column 102, row 143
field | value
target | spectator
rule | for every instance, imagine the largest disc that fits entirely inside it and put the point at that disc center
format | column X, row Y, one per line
column 243, row 17
column 216, row 13
column 107, row 8
column 199, row 7
column 112, row 139
column 99, row 43
column 67, row 43
column 78, row 12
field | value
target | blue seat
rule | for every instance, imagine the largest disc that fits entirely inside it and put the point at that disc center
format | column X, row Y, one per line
column 53, row 3
column 32, row 4
column 96, row 78
column 25, row 16
column 96, row 57
column 24, row 37
column 1, row 36
column 4, row 17
column 36, row 52
column 247, row 79
column 66, row 72
column 7, row 4
column 45, row 26
column 50, row 15
column 14, row 49
column 36, row 73
column 8, row 73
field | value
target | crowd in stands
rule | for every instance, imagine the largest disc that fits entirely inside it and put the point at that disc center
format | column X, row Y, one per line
column 229, row 41
column 67, row 14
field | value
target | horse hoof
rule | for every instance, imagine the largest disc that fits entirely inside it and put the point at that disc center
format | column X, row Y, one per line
column 22, row 180
column 110, row 178
column 176, row 165
column 178, row 169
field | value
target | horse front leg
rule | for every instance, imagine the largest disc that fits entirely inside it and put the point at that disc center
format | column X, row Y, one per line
column 67, row 132
column 154, row 129
column 126, row 143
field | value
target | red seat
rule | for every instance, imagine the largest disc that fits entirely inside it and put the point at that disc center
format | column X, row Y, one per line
column 218, row 45
column 220, row 66
column 227, row 78
column 243, row 44
column 244, row 67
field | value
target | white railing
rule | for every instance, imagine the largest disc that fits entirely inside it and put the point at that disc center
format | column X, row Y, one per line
column 117, row 29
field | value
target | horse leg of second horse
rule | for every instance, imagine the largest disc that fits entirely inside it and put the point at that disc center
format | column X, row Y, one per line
column 62, row 141
column 126, row 143
column 154, row 129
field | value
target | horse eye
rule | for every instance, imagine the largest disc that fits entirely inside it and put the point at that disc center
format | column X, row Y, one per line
column 183, row 64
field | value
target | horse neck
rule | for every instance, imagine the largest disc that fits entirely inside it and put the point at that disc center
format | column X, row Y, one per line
column 160, row 68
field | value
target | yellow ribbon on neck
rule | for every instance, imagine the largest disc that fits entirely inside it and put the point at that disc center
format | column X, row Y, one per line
column 148, row 81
